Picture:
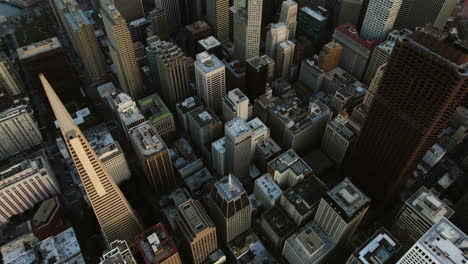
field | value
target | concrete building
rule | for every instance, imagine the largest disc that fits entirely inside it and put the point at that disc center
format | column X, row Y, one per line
column 288, row 15
column 235, row 75
column 113, row 212
column 9, row 77
column 276, row 226
column 193, row 33
column 348, row 96
column 356, row 50
column 337, row 139
column 300, row 202
column 153, row 155
column 205, row 127
column 156, row 246
column 419, row 213
column 80, row 29
column 341, row 210
column 238, row 144
column 151, row 56
column 159, row 23
column 312, row 23
column 212, row 46
column 247, row 17
column 417, row 13
column 380, row 18
column 260, row 132
column 121, row 50
column 127, row 111
column 311, row 74
column 350, row 12
column 156, row 111
column 329, row 57
column 284, row 58
column 265, row 151
column 231, row 209
column 236, row 104
column 443, row 243
column 217, row 13
column 199, row 183
column 288, row 169
column 309, row 245
column 183, row 111
column 24, row 184
column 381, row 248
column 197, row 231
column 260, row 72
column 267, row 191
column 218, row 156
column 18, row 129
column 277, row 34
column 118, row 252
column 109, row 152
column 210, row 76
column 174, row 73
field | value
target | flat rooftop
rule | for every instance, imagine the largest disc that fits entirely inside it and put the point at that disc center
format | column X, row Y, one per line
column 380, row 248
column 127, row 108
column 229, row 188
column 257, row 126
column 102, row 142
column 316, row 14
column 269, row 186
column 204, row 117
column 189, row 104
column 147, row 139
column 290, row 160
column 306, row 195
column 349, row 199
column 236, row 96
column 154, row 108
column 198, row 179
column 155, row 244
column 12, row 173
column 258, row 62
column 279, row 222
column 429, row 206
column 268, row 148
column 62, row 247
column 219, row 145
column 37, row 48
column 208, row 62
column 237, row 127
column 350, row 31
column 191, row 211
column 209, row 43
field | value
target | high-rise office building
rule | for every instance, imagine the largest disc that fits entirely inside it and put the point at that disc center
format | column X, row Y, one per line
column 172, row 8
column 231, row 209
column 284, row 59
column 337, row 138
column 236, row 104
column 312, row 23
column 9, row 78
column 19, row 130
column 444, row 243
column 341, row 210
column 260, row 71
column 183, row 111
column 419, row 13
column 277, row 34
column 238, row 146
column 329, row 56
column 156, row 246
column 130, row 9
column 418, row 214
column 153, row 155
column 113, row 212
column 350, row 12
column 407, row 117
column 205, row 127
column 380, row 18
column 127, row 111
column 159, row 23
column 289, row 16
column 381, row 248
column 193, row 33
column 197, row 231
column 247, row 26
column 311, row 75
column 174, row 73
column 151, row 55
column 156, row 111
column 218, row 156
column 217, row 12
column 210, row 76
column 356, row 50
column 24, row 184
column 121, row 50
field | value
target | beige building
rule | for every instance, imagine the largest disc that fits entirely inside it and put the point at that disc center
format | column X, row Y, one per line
column 113, row 212
column 153, row 156
column 159, row 23
column 277, row 34
column 121, row 50
column 329, row 56
column 289, row 16
column 197, row 230
column 9, row 78
column 284, row 59
column 24, row 184
column 217, row 12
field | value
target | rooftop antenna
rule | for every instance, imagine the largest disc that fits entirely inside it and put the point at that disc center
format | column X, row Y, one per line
column 231, row 187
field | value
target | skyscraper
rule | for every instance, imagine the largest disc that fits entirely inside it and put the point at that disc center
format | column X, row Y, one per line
column 113, row 212
column 423, row 84
column 174, row 73
column 419, row 13
column 159, row 23
column 341, row 210
column 284, row 58
column 350, row 12
column 277, row 34
column 380, row 18
column 153, row 156
column 121, row 50
column 130, row 9
column 172, row 8
column 210, row 76
column 198, row 232
column 380, row 56
column 289, row 16
column 260, row 71
column 9, row 78
column 231, row 209
column 217, row 12
column 329, row 56
column 238, row 144
column 247, row 26
column 312, row 23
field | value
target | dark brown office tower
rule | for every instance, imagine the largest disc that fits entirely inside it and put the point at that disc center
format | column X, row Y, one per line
column 423, row 84
column 304, row 49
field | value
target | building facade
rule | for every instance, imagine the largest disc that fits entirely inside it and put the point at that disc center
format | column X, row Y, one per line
column 217, row 13
column 9, row 78
column 238, row 144
column 210, row 76
column 288, row 15
column 380, row 18
column 247, row 22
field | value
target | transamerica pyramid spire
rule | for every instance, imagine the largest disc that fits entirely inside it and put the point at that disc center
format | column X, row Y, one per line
column 113, row 212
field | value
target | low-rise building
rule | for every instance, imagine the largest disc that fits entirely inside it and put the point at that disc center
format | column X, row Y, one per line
column 288, row 169
column 277, row 226
column 156, row 246
column 265, row 151
column 127, row 111
column 267, row 191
